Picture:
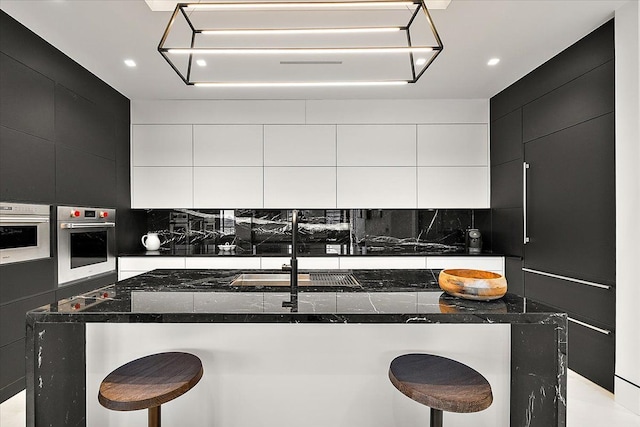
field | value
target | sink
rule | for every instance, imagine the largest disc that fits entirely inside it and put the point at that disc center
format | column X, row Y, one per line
column 305, row 279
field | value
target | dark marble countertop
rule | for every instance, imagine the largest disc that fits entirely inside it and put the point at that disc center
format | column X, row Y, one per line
column 383, row 296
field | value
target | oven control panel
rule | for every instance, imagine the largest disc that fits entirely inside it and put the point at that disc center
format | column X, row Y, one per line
column 66, row 213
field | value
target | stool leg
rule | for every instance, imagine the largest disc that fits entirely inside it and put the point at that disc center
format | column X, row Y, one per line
column 154, row 417
column 436, row 418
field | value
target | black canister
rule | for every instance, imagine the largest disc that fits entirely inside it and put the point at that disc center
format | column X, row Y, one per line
column 473, row 241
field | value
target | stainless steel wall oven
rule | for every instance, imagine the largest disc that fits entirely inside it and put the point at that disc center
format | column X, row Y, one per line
column 24, row 232
column 86, row 243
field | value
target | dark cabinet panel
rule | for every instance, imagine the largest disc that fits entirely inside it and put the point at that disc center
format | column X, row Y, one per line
column 25, row 279
column 26, row 47
column 571, row 202
column 506, row 185
column 591, row 51
column 12, row 316
column 592, row 354
column 26, row 99
column 26, row 167
column 12, row 369
column 84, row 179
column 83, row 125
column 514, row 275
column 584, row 98
column 507, row 231
column 506, row 138
column 584, row 302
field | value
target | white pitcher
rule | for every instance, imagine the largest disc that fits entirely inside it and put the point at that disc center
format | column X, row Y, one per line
column 151, row 241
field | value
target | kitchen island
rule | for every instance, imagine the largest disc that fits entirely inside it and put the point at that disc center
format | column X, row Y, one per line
column 325, row 363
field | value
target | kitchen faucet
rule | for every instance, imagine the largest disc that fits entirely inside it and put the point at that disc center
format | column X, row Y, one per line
column 293, row 265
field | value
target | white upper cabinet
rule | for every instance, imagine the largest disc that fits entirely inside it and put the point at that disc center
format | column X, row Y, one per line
column 376, row 145
column 162, row 187
column 227, row 187
column 300, row 145
column 300, row 187
column 162, row 145
column 453, row 187
column 227, row 145
column 376, row 187
column 453, row 145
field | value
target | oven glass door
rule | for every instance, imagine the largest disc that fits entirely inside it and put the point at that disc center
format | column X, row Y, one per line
column 18, row 236
column 88, row 247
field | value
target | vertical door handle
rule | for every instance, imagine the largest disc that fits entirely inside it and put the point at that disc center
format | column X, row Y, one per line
column 525, row 166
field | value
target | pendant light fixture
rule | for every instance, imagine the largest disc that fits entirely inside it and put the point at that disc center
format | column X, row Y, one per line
column 294, row 44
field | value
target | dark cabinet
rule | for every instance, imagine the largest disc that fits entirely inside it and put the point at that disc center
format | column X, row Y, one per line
column 26, row 167
column 27, row 98
column 562, row 115
column 571, row 202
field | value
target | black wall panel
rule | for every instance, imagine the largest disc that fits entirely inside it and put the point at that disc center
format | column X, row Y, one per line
column 37, row 54
column 27, row 172
column 506, row 138
column 21, row 279
column 83, row 178
column 583, row 56
column 514, row 275
column 506, row 185
column 11, row 369
column 26, row 103
column 571, row 202
column 507, row 231
column 591, row 95
column 83, row 125
column 12, row 316
column 592, row 354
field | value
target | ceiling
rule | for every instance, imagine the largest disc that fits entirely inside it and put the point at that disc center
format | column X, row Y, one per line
column 100, row 35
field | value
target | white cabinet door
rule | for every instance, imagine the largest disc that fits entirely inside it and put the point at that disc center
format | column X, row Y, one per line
column 309, row 145
column 490, row 263
column 382, row 262
column 376, row 145
column 453, row 145
column 453, row 187
column 227, row 187
column 161, row 145
column 376, row 187
column 300, row 187
column 162, row 187
column 227, row 145
column 222, row 263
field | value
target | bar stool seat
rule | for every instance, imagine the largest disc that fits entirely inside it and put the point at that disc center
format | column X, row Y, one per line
column 440, row 383
column 150, row 381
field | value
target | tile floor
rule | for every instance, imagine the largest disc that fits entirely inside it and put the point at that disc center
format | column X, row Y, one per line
column 588, row 406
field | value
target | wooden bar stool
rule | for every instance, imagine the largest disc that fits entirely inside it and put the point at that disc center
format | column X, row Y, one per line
column 150, row 381
column 440, row 383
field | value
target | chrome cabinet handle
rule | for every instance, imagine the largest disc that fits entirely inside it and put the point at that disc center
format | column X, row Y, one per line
column 586, row 325
column 88, row 225
column 29, row 220
column 525, row 166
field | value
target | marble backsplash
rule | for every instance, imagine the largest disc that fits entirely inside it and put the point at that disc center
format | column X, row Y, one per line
column 335, row 231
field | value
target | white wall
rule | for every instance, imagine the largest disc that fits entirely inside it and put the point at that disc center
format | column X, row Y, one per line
column 285, row 375
column 627, row 45
column 310, row 154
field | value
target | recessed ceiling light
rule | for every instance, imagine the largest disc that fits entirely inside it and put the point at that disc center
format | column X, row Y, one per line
column 130, row 62
column 201, row 62
column 493, row 61
column 421, row 61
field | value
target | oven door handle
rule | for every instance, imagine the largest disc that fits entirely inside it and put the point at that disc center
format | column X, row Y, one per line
column 29, row 220
column 69, row 225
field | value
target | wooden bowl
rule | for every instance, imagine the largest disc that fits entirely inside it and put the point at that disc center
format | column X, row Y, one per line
column 473, row 284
